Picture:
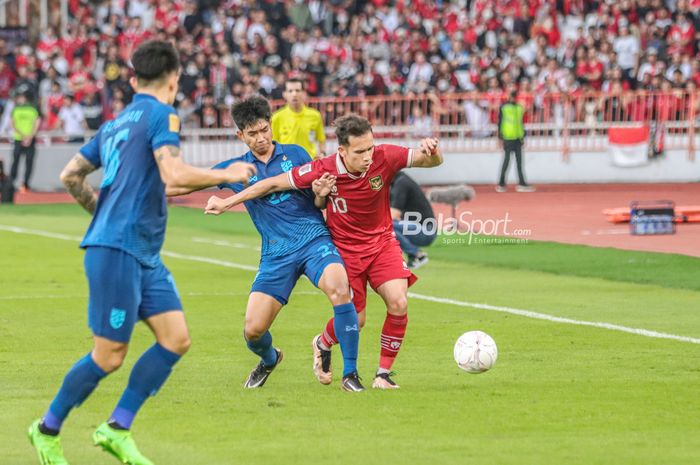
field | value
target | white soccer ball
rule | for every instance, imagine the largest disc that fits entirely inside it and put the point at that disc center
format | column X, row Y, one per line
column 475, row 352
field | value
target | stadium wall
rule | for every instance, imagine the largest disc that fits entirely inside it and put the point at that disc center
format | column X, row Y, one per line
column 471, row 168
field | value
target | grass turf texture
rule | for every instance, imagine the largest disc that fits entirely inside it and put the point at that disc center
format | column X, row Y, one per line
column 558, row 394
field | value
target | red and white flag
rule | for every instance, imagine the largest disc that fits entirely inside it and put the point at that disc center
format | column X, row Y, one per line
column 629, row 146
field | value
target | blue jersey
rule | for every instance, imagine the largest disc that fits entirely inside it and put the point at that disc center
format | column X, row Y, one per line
column 287, row 221
column 131, row 209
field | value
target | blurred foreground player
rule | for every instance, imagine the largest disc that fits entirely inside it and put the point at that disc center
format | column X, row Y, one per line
column 140, row 155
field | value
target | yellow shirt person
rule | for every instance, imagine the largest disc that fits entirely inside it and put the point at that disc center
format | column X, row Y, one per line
column 295, row 123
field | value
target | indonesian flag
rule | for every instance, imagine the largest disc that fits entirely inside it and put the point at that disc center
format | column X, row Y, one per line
column 629, row 146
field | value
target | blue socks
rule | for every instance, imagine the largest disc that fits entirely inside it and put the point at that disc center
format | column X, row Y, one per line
column 347, row 331
column 77, row 386
column 147, row 376
column 263, row 348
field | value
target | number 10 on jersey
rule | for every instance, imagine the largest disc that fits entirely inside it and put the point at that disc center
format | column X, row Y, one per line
column 339, row 205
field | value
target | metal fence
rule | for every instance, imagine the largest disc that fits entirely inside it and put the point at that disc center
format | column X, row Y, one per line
column 466, row 122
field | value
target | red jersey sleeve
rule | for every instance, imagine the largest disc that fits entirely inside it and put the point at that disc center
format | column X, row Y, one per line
column 397, row 157
column 301, row 177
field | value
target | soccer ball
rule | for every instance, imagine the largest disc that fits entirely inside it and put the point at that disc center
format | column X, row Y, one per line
column 475, row 352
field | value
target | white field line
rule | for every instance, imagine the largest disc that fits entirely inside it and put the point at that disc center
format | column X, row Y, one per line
column 556, row 319
column 188, row 294
column 222, row 243
column 605, row 232
column 211, row 261
column 46, row 297
column 428, row 298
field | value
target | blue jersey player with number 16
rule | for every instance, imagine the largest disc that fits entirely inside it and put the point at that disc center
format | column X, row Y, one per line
column 295, row 241
column 140, row 156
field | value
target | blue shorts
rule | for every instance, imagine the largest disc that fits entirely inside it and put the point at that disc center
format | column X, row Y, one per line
column 122, row 291
column 277, row 276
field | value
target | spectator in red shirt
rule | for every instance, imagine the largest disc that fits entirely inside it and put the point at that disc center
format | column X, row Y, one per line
column 53, row 104
column 7, row 79
column 48, row 44
column 681, row 36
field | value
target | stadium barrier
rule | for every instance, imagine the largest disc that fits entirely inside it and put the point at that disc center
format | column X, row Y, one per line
column 466, row 122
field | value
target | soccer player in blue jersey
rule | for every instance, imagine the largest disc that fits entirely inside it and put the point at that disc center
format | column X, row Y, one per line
column 295, row 241
column 140, row 156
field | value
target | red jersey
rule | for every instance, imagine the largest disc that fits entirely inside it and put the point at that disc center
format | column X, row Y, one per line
column 358, row 214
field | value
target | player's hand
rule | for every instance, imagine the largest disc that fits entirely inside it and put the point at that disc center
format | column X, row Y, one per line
column 240, row 172
column 215, row 206
column 323, row 186
column 429, row 146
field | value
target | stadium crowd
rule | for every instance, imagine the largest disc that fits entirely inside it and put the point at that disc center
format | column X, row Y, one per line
column 231, row 49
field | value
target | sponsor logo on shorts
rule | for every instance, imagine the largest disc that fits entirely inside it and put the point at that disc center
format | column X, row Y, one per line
column 117, row 317
column 376, row 183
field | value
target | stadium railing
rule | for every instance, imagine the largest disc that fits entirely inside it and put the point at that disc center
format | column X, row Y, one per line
column 466, row 122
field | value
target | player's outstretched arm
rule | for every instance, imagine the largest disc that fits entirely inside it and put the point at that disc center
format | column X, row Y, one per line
column 181, row 178
column 217, row 205
column 428, row 155
column 74, row 177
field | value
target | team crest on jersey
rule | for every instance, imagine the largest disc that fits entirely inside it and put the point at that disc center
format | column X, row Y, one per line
column 376, row 183
column 287, row 165
column 305, row 169
column 117, row 318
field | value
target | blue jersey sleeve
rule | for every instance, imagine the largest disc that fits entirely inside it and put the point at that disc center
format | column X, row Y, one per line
column 91, row 150
column 163, row 127
column 301, row 155
column 235, row 187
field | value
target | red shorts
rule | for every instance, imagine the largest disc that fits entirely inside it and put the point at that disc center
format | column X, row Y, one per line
column 385, row 265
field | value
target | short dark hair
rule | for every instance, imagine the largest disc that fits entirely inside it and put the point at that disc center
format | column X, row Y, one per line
column 153, row 60
column 295, row 81
column 351, row 125
column 249, row 111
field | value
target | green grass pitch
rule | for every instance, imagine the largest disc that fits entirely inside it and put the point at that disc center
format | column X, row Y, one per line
column 559, row 394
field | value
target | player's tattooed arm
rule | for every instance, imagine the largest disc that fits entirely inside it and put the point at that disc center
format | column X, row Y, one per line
column 167, row 151
column 74, row 177
column 427, row 155
column 172, row 152
column 180, row 178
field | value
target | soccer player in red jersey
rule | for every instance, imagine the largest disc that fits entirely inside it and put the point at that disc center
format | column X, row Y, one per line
column 356, row 182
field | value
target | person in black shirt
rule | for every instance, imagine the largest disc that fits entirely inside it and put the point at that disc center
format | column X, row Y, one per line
column 7, row 190
column 407, row 200
column 92, row 108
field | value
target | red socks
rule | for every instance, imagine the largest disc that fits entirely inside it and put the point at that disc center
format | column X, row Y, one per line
column 328, row 338
column 393, row 333
column 392, row 337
